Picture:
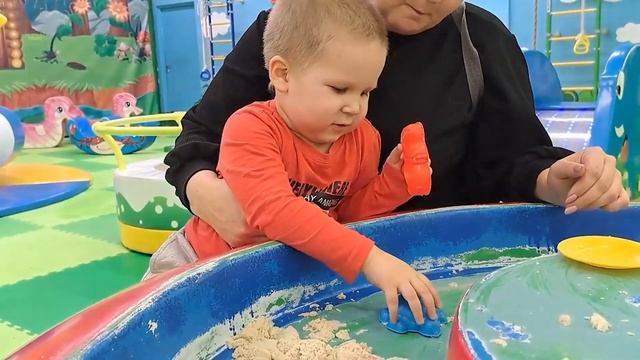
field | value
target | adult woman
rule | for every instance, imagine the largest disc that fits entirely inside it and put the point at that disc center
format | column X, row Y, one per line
column 486, row 145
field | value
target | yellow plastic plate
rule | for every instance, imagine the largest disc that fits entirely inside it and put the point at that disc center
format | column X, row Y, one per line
column 602, row 251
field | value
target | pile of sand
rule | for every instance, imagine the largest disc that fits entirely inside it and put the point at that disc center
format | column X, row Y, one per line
column 261, row 340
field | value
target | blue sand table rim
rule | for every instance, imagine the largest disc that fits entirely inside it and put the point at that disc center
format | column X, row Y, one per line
column 192, row 313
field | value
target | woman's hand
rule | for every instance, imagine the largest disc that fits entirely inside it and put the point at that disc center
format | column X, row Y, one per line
column 585, row 180
column 212, row 201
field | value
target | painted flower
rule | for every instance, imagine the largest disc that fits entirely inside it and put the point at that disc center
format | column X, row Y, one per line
column 143, row 37
column 81, row 7
column 118, row 10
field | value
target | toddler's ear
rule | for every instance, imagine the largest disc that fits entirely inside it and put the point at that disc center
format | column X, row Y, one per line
column 279, row 74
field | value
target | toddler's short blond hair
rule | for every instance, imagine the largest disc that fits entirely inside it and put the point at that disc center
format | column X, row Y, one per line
column 298, row 30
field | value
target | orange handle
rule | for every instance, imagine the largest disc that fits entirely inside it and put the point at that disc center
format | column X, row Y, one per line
column 415, row 167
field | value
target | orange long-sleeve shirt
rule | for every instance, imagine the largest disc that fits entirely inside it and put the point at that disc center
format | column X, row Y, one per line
column 296, row 194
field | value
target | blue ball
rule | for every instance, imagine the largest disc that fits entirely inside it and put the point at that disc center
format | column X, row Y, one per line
column 11, row 135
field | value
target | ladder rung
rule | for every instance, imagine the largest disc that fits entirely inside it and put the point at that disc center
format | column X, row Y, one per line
column 217, row 57
column 578, row 88
column 220, row 23
column 567, row 38
column 222, row 41
column 573, row 63
column 571, row 12
column 219, row 4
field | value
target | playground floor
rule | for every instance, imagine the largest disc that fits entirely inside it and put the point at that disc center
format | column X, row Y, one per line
column 59, row 259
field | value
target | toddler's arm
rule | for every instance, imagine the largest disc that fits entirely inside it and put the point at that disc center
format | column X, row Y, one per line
column 374, row 194
column 383, row 194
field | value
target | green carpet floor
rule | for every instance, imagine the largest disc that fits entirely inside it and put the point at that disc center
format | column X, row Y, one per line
column 62, row 258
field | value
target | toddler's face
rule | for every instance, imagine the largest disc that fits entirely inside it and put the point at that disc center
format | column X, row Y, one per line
column 328, row 98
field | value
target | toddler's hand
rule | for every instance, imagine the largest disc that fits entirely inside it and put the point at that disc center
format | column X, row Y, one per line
column 392, row 275
column 395, row 157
